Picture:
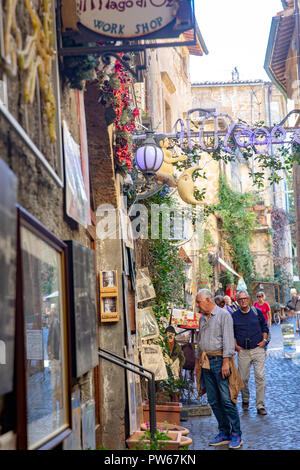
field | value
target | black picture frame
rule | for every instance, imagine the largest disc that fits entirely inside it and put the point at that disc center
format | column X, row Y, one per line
column 8, row 254
column 83, row 308
column 26, row 220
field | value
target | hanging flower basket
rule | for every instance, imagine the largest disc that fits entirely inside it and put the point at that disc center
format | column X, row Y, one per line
column 115, row 96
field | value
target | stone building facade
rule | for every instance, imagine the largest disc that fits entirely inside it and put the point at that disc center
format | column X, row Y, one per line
column 31, row 146
column 54, row 140
column 252, row 102
column 282, row 66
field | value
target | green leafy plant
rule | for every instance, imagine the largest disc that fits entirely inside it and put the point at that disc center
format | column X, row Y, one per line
column 77, row 69
column 238, row 222
column 166, row 268
column 171, row 386
column 156, row 442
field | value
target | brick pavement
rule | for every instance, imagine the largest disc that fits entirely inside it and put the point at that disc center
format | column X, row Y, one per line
column 280, row 429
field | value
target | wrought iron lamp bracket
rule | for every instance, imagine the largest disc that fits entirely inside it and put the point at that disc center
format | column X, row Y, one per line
column 143, row 186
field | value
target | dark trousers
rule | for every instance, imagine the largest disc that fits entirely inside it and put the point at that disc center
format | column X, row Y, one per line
column 218, row 395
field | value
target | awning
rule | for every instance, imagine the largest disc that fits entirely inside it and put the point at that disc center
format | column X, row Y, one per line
column 184, row 256
column 200, row 47
column 280, row 38
column 221, row 261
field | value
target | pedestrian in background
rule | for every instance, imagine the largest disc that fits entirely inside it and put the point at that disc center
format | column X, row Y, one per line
column 251, row 333
column 264, row 307
column 228, row 304
column 219, row 301
column 294, row 305
column 215, row 365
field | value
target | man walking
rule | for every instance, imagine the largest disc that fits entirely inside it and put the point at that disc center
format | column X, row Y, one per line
column 215, row 364
column 294, row 305
column 251, row 333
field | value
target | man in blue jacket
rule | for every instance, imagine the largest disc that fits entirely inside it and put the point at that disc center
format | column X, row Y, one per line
column 250, row 334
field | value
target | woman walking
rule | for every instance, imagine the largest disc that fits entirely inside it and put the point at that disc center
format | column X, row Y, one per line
column 264, row 307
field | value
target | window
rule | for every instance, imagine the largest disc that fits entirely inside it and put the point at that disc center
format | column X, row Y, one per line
column 47, row 376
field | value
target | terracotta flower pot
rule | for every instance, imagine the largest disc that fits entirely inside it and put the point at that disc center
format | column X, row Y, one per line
column 167, row 426
column 134, row 441
column 185, row 441
column 169, row 412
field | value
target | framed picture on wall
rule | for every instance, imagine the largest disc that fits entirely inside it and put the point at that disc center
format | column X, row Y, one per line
column 43, row 310
column 109, row 307
column 108, row 281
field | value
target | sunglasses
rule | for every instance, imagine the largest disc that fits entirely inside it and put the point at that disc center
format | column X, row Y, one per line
column 241, row 299
column 258, row 296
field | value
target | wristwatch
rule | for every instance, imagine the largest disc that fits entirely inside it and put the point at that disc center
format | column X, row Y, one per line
column 264, row 339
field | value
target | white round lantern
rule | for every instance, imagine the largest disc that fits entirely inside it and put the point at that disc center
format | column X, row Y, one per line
column 149, row 157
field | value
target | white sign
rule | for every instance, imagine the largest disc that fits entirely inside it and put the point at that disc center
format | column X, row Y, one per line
column 34, row 344
column 126, row 18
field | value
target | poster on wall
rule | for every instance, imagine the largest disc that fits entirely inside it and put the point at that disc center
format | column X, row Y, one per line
column 8, row 232
column 77, row 204
column 144, row 287
column 84, row 150
column 83, row 305
column 152, row 358
column 34, row 345
column 147, row 324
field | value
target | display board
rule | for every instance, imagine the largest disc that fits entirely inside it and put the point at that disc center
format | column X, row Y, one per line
column 289, row 340
column 83, row 308
column 185, row 318
column 8, row 231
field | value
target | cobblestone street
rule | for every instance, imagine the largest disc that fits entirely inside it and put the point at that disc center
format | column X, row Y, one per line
column 280, row 429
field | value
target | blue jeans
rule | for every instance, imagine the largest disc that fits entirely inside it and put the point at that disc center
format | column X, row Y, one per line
column 218, row 395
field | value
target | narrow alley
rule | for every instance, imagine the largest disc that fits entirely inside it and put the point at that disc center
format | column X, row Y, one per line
column 280, row 428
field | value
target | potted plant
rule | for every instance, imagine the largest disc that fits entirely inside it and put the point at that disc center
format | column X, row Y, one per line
column 170, row 389
column 168, row 407
column 165, row 427
column 162, row 440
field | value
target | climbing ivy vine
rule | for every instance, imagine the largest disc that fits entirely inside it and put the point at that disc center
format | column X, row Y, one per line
column 238, row 224
column 166, row 267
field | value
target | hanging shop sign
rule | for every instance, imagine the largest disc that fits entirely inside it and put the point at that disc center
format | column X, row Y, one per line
column 130, row 18
column 235, row 135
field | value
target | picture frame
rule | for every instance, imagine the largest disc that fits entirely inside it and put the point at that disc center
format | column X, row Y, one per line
column 46, row 357
column 8, row 255
column 109, row 307
column 83, row 307
column 109, row 281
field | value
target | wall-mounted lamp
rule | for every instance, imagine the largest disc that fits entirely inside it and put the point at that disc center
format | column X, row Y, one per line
column 148, row 159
